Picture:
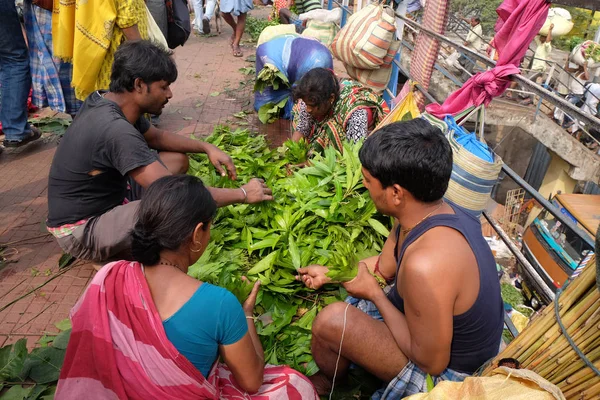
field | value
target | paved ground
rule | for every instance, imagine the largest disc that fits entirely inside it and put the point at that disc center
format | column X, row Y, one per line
column 33, row 293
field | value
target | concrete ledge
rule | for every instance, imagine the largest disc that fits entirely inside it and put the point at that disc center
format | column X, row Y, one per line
column 585, row 163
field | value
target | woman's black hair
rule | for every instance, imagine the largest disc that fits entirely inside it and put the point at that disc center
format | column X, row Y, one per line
column 141, row 59
column 413, row 154
column 317, row 86
column 169, row 212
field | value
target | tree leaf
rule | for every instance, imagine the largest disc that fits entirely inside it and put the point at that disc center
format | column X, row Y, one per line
column 44, row 364
column 264, row 264
column 36, row 392
column 65, row 260
column 16, row 392
column 12, row 359
column 379, row 228
column 63, row 325
column 62, row 340
column 294, row 252
column 214, row 94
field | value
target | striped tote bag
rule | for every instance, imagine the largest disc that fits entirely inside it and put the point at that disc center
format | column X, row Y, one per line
column 365, row 40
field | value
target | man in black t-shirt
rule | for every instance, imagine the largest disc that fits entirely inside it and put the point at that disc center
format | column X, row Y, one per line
column 107, row 157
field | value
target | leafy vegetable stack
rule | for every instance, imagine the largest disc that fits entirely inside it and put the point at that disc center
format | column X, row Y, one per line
column 321, row 215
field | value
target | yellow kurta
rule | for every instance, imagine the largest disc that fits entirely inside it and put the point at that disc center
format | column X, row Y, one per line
column 129, row 13
column 88, row 32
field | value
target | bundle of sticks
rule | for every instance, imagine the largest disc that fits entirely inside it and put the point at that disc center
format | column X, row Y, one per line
column 543, row 347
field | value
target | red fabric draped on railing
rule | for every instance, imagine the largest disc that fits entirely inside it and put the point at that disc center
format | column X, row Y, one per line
column 518, row 23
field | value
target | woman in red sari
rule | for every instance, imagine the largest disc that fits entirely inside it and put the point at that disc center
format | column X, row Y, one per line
column 147, row 330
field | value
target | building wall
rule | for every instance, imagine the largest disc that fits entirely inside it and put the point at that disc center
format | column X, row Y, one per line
column 556, row 179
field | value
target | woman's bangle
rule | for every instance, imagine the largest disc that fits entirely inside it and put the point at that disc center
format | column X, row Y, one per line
column 250, row 317
column 245, row 194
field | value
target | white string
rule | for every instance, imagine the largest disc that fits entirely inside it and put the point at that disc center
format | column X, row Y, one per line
column 339, row 352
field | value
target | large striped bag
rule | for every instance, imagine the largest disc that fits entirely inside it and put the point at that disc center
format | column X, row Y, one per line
column 365, row 40
column 376, row 79
column 473, row 178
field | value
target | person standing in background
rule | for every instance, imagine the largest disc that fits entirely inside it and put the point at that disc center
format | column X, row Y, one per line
column 158, row 10
column 239, row 9
column 79, row 35
column 538, row 66
column 16, row 79
column 202, row 20
column 51, row 77
column 473, row 41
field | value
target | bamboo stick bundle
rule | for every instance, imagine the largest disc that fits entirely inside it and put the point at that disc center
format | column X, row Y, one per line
column 577, row 391
column 585, row 337
column 559, row 343
column 546, row 349
column 545, row 321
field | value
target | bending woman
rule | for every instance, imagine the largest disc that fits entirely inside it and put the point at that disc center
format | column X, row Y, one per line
column 327, row 110
column 147, row 330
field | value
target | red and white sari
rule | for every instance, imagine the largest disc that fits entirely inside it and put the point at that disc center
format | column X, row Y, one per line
column 119, row 350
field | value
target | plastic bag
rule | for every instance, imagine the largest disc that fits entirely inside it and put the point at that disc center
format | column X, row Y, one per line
column 406, row 110
column 294, row 56
column 469, row 140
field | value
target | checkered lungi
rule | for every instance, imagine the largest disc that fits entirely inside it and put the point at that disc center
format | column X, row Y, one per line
column 411, row 379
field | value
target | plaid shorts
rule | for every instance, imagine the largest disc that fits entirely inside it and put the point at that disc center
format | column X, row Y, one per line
column 411, row 379
column 295, row 20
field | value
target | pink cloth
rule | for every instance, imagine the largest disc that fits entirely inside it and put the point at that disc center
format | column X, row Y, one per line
column 521, row 22
column 480, row 89
column 119, row 350
column 518, row 23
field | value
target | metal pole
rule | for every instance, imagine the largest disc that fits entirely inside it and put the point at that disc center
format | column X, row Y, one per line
column 547, row 205
column 520, row 257
column 532, row 86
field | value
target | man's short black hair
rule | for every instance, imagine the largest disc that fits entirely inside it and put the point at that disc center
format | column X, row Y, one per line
column 477, row 19
column 413, row 154
column 141, row 59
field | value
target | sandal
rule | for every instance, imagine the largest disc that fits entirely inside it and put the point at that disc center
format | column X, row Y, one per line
column 35, row 134
column 238, row 52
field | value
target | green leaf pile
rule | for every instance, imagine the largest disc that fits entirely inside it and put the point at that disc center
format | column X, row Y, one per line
column 270, row 76
column 321, row 214
column 33, row 375
column 593, row 52
column 269, row 112
column 255, row 26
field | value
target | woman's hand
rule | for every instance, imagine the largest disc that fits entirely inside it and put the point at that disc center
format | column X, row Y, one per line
column 257, row 191
column 219, row 159
column 364, row 286
column 250, row 302
column 313, row 276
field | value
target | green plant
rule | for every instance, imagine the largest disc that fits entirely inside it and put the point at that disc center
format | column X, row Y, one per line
column 321, row 214
column 255, row 26
column 34, row 375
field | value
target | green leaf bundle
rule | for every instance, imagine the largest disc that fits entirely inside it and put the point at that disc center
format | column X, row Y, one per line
column 320, row 214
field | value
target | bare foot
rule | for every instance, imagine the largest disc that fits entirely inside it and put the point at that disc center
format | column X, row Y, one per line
column 232, row 39
column 321, row 383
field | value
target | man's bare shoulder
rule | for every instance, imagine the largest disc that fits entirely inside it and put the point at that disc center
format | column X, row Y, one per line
column 440, row 250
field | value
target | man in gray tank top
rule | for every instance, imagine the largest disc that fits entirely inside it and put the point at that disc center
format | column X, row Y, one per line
column 442, row 315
